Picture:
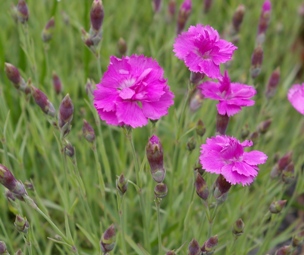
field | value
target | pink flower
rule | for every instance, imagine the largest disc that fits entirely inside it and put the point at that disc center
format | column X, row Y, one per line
column 232, row 96
column 296, row 97
column 225, row 155
column 202, row 50
column 132, row 91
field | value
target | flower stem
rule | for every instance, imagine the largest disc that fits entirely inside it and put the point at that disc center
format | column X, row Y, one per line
column 122, row 224
column 157, row 203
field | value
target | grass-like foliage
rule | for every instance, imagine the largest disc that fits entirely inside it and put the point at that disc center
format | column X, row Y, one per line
column 90, row 188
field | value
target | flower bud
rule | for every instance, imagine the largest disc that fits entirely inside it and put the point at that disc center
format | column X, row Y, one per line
column 107, row 241
column 238, row 227
column 29, row 185
column 209, row 245
column 171, row 9
column 183, row 15
column 96, row 15
column 193, row 248
column 273, row 83
column 222, row 122
column 256, row 61
column 254, row 137
column 288, row 175
column 297, row 239
column 19, row 252
column 13, row 74
column 8, row 180
column 237, row 18
column 69, row 150
column 56, row 83
column 160, row 190
column 201, row 187
column 65, row 116
column 284, row 161
column 154, row 152
column 170, row 253
column 200, row 128
column 21, row 224
column 196, row 101
column 264, row 126
column 122, row 46
column 89, row 88
column 22, row 11
column 47, row 31
column 3, row 249
column 43, row 102
column 221, row 188
column 191, row 144
column 122, row 185
column 198, row 167
column 264, row 21
column 285, row 250
column 195, row 78
column 156, row 4
column 88, row 132
column 277, row 206
column 207, row 5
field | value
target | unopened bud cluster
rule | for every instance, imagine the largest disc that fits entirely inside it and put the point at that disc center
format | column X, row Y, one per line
column 284, row 168
column 14, row 76
column 107, row 242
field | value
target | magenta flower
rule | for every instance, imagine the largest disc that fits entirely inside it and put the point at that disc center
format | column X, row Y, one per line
column 232, row 96
column 296, row 97
column 225, row 155
column 202, row 50
column 132, row 91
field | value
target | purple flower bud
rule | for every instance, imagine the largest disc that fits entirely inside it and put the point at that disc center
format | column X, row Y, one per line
column 288, row 174
column 13, row 74
column 222, row 122
column 297, row 239
column 254, row 137
column 237, row 18
column 238, row 227
column 183, row 15
column 264, row 126
column 22, row 11
column 69, row 150
column 273, row 83
column 122, row 185
column 96, row 15
column 284, row 161
column 245, row 132
column 8, row 180
column 207, row 5
column 193, row 248
column 107, row 241
column 88, row 132
column 171, row 9
column 285, row 250
column 3, row 249
column 156, row 4
column 277, row 206
column 47, row 32
column 264, row 21
column 195, row 78
column 200, row 128
column 154, row 152
column 221, row 188
column 256, row 61
column 170, row 253
column 65, row 116
column 210, row 245
column 160, row 190
column 21, row 224
column 56, row 83
column 196, row 100
column 19, row 252
column 198, row 167
column 201, row 187
column 43, row 102
column 122, row 46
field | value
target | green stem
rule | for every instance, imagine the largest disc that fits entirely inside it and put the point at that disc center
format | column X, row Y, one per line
column 122, row 224
column 99, row 171
column 157, row 203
